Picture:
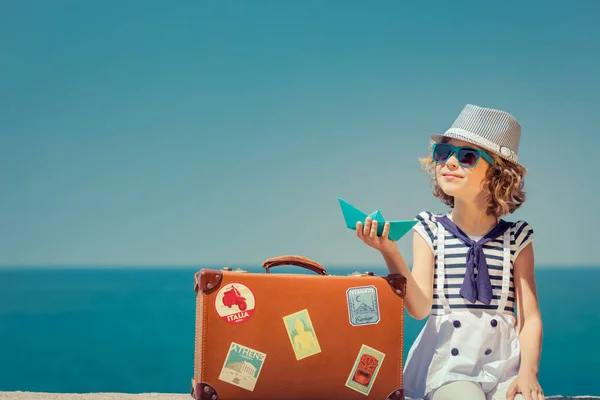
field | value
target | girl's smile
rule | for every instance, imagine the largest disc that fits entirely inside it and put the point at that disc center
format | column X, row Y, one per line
column 451, row 176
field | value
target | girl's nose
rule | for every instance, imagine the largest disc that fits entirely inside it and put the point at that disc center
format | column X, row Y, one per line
column 452, row 162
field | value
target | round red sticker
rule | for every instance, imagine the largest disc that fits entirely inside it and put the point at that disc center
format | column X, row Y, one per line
column 235, row 303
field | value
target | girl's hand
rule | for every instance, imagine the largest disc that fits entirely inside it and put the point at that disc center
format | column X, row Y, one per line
column 527, row 384
column 368, row 234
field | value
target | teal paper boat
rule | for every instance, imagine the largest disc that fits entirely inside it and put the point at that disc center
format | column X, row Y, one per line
column 397, row 228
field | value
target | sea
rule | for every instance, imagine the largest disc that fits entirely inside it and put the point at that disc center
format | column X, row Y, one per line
column 131, row 329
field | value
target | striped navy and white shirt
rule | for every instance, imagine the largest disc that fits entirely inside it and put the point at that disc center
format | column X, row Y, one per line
column 521, row 234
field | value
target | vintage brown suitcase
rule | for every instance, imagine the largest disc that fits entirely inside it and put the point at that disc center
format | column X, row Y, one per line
column 298, row 336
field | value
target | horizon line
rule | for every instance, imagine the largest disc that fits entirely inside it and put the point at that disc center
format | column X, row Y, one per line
column 362, row 267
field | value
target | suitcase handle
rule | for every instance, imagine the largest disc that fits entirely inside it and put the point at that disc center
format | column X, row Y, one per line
column 298, row 261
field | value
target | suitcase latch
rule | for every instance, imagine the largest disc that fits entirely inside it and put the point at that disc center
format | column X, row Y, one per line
column 366, row 273
column 229, row 269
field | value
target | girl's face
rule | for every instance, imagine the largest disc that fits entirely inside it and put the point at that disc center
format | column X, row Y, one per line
column 458, row 181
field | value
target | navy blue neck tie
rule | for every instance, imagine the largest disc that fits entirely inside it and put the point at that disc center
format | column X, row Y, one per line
column 480, row 287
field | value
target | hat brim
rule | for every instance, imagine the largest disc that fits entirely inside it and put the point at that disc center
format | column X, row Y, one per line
column 477, row 141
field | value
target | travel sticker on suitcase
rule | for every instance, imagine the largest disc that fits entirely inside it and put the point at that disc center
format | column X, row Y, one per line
column 365, row 369
column 242, row 366
column 363, row 305
column 302, row 335
column 235, row 303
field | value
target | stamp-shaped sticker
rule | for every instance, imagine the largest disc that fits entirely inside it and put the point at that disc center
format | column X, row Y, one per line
column 235, row 303
column 242, row 366
column 363, row 305
column 302, row 334
column 365, row 370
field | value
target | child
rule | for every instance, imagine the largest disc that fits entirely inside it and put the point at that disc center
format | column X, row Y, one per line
column 471, row 269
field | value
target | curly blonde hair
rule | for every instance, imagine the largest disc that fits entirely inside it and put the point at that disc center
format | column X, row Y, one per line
column 503, row 185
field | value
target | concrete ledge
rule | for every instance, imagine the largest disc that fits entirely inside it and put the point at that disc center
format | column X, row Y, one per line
column 91, row 396
column 153, row 396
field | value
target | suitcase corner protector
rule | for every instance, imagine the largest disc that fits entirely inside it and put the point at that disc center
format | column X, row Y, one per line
column 397, row 394
column 207, row 279
column 203, row 391
column 398, row 283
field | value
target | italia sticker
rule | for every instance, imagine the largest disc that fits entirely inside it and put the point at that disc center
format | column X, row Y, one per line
column 235, row 303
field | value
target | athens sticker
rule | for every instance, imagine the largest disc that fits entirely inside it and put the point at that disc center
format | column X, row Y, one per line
column 365, row 370
column 242, row 366
column 235, row 303
column 363, row 307
column 302, row 335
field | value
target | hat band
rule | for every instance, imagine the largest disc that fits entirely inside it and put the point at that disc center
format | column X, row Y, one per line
column 503, row 151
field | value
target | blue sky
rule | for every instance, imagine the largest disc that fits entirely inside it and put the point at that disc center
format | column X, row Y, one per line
column 203, row 133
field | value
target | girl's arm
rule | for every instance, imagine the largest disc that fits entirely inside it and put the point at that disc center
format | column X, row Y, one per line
column 419, row 283
column 530, row 329
column 528, row 312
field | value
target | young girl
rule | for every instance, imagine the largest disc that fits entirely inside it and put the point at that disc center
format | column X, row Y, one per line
column 471, row 269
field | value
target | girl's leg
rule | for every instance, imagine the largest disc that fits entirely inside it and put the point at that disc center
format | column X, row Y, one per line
column 458, row 390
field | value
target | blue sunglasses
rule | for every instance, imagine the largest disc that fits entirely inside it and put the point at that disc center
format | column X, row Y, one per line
column 467, row 157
